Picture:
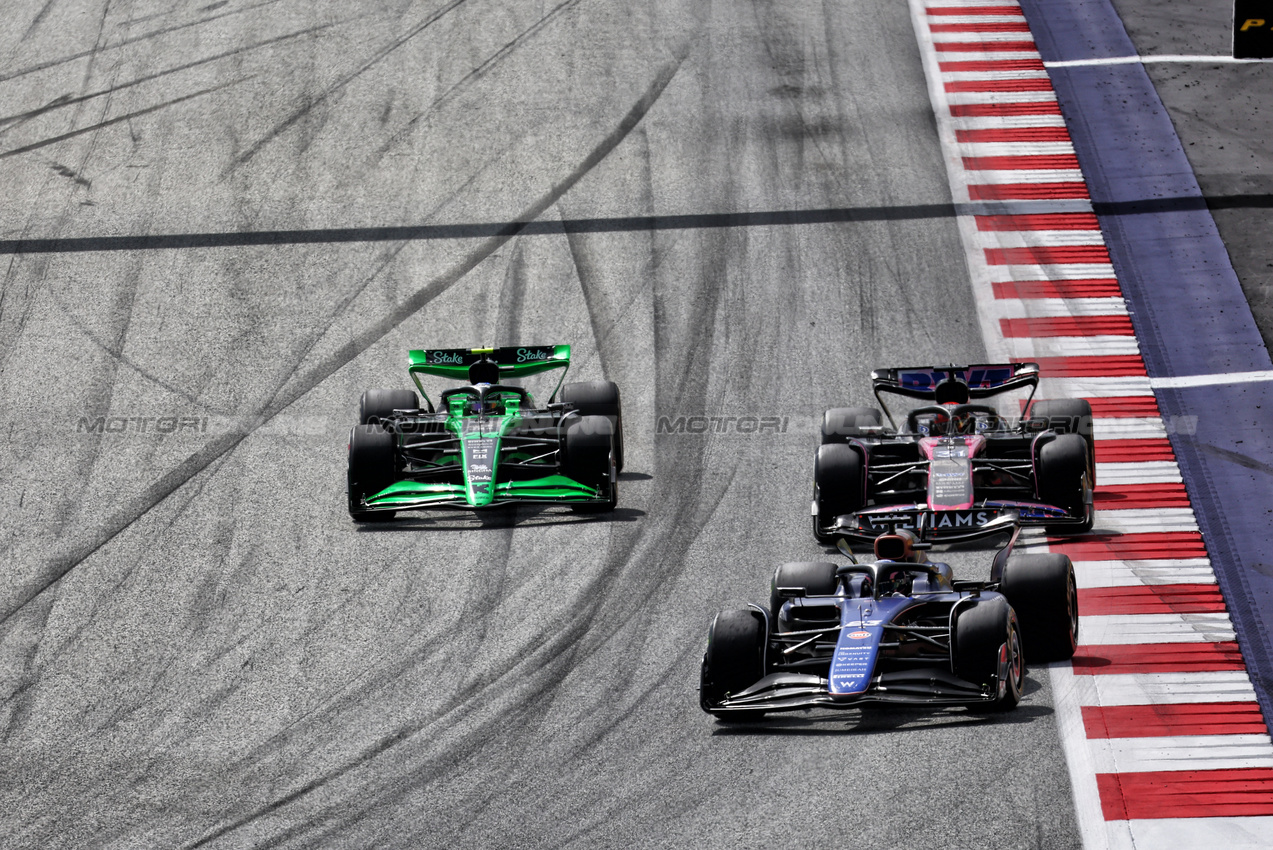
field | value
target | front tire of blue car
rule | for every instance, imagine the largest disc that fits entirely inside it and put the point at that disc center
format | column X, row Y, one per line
column 814, row 578
column 1043, row 591
column 735, row 660
column 372, row 467
column 988, row 651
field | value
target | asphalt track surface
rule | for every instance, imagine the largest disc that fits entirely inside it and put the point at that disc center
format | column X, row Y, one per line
column 242, row 214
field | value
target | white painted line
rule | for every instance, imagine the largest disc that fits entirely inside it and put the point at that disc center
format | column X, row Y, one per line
column 1155, row 688
column 1042, row 239
column 1074, row 346
column 982, row 122
column 1131, row 429
column 1236, row 833
column 985, row 56
column 996, row 176
column 1131, row 629
column 938, row 20
column 972, row 97
column 1184, row 381
column 1141, row 472
column 977, row 76
column 1141, row 521
column 1068, row 271
column 1070, row 693
column 1016, row 148
column 1094, row 574
column 979, row 37
column 1182, row 752
column 1149, row 60
column 1093, row 387
column 958, row 177
column 1043, row 308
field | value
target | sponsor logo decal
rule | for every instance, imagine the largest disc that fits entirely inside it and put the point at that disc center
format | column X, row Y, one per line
column 859, row 635
column 943, row 519
column 851, row 668
column 441, row 358
column 525, row 355
column 478, row 460
column 924, row 379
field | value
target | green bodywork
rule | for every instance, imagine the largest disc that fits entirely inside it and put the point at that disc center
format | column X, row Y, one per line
column 519, row 362
column 487, row 440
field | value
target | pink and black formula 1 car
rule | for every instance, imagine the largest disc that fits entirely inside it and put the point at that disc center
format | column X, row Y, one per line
column 967, row 466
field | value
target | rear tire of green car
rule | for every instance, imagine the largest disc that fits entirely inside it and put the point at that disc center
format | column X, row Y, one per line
column 598, row 398
column 378, row 405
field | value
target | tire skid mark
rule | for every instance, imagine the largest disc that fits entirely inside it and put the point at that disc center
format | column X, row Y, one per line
column 20, row 643
column 478, row 613
column 121, row 580
column 512, row 297
column 386, row 261
column 639, row 562
column 38, row 19
column 59, row 565
column 92, row 128
column 550, row 660
column 478, row 72
column 605, row 317
column 308, row 107
column 118, row 354
column 75, row 57
column 10, row 122
column 642, row 562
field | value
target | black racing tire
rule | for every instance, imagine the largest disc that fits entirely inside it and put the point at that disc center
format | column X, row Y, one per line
column 840, row 424
column 735, row 660
column 839, row 484
column 816, row 577
column 598, row 398
column 1042, row 590
column 377, row 405
column 372, row 468
column 587, row 457
column 983, row 630
column 1068, row 416
column 1062, row 470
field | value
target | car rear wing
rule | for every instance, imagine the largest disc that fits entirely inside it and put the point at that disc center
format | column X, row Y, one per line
column 512, row 362
column 983, row 380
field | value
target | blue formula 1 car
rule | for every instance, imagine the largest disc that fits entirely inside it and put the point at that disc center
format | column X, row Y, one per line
column 899, row 629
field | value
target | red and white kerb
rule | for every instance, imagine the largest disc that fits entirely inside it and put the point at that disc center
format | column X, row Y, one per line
column 1165, row 743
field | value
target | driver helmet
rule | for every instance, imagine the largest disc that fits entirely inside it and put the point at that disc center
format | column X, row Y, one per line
column 951, row 391
column 897, row 545
column 480, row 407
column 897, row 581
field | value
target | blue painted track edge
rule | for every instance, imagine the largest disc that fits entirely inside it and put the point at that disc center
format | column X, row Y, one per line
column 1186, row 304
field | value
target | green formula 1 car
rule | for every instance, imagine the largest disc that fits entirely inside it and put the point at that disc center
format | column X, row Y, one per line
column 486, row 443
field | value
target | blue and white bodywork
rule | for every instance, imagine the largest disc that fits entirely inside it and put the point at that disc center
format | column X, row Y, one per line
column 899, row 629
